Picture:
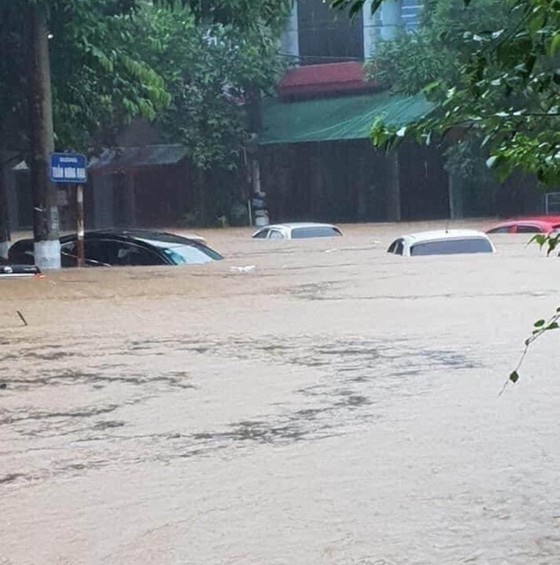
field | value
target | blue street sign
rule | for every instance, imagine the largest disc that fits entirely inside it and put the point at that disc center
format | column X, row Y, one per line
column 68, row 168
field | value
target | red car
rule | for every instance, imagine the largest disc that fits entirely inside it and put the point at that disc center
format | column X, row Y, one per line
column 533, row 224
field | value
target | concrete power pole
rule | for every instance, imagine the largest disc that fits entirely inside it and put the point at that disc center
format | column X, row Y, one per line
column 4, row 220
column 41, row 139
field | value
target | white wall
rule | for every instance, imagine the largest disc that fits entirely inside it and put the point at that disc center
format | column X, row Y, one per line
column 289, row 42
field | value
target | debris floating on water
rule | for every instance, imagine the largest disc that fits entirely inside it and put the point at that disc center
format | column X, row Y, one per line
column 246, row 269
column 22, row 318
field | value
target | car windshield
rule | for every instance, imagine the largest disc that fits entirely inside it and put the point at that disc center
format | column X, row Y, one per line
column 315, row 231
column 529, row 228
column 191, row 254
column 452, row 246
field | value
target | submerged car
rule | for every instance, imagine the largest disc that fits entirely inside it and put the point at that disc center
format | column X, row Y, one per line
column 442, row 242
column 297, row 230
column 123, row 248
column 8, row 271
column 536, row 224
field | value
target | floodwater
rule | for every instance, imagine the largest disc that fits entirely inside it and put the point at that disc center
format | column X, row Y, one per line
column 332, row 405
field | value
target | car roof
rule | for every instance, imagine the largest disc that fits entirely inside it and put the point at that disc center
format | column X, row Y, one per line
column 549, row 223
column 136, row 233
column 293, row 225
column 437, row 235
column 127, row 235
column 524, row 221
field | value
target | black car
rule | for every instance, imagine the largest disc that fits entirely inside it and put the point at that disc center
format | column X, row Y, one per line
column 123, row 248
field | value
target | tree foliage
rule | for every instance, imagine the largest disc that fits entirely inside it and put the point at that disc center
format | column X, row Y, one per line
column 185, row 65
column 98, row 83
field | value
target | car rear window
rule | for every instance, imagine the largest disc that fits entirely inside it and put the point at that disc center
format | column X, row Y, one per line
column 315, row 231
column 452, row 246
column 500, row 229
column 529, row 228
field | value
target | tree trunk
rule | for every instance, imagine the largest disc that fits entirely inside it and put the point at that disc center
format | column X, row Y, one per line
column 41, row 140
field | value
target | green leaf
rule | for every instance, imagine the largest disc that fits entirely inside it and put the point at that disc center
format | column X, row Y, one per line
column 554, row 44
column 514, row 376
column 539, row 323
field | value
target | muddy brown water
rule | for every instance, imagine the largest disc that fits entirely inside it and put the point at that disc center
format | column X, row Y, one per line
column 333, row 405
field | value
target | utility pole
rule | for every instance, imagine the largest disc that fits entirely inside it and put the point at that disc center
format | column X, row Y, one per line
column 41, row 141
column 4, row 216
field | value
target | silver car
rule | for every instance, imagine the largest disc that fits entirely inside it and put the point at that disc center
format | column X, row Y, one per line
column 297, row 230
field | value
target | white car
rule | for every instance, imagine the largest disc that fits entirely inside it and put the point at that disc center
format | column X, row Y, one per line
column 297, row 230
column 442, row 242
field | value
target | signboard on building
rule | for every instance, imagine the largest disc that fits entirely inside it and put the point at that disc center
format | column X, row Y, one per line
column 68, row 168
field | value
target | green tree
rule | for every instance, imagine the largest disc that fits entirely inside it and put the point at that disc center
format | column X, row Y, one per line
column 97, row 82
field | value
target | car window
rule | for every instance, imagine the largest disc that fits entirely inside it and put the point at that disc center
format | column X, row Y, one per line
column 22, row 252
column 452, row 246
column 191, row 254
column 528, row 228
column 397, row 247
column 262, row 234
column 131, row 254
column 315, row 231
column 275, row 234
column 114, row 252
column 502, row 229
column 101, row 251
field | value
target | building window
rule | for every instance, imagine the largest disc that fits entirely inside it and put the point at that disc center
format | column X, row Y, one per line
column 328, row 36
column 411, row 12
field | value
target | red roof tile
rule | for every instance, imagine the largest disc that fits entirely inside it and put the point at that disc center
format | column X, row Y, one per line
column 330, row 78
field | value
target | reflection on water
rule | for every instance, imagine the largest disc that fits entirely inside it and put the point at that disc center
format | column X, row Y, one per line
column 334, row 405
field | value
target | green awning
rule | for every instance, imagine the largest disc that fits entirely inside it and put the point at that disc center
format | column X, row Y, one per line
column 335, row 119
